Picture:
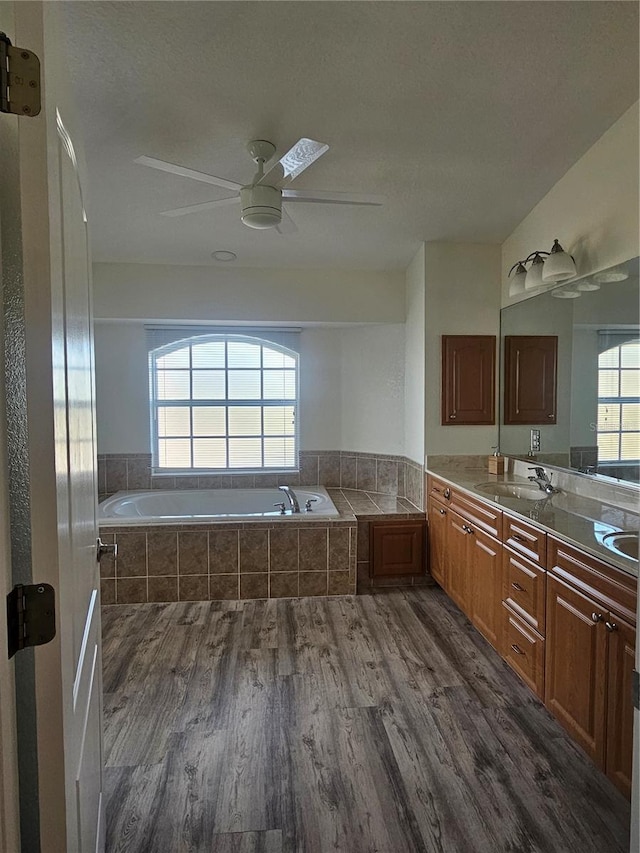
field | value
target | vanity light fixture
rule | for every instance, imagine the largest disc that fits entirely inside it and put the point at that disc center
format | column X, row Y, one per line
column 559, row 265
column 565, row 294
column 545, row 268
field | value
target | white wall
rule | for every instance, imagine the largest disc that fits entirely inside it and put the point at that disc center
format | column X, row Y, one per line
column 414, row 364
column 373, row 389
column 221, row 294
column 592, row 210
column 351, row 388
column 462, row 283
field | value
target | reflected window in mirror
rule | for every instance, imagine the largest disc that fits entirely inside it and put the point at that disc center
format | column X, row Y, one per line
column 618, row 399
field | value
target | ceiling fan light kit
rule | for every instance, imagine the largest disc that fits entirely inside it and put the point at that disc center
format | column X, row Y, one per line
column 261, row 201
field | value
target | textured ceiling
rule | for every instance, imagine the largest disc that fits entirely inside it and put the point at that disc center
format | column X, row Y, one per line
column 463, row 114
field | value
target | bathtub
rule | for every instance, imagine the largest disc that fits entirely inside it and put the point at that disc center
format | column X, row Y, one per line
column 209, row 505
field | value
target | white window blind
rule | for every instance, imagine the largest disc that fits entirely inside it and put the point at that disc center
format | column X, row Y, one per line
column 619, row 397
column 223, row 401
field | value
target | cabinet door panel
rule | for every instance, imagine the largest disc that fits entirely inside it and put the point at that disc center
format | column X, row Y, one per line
column 458, row 574
column 486, row 585
column 530, row 363
column 468, row 379
column 576, row 666
column 437, row 534
column 397, row 550
column 621, row 655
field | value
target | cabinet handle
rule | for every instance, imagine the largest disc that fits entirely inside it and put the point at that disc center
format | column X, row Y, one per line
column 517, row 649
column 550, row 416
column 597, row 617
column 447, row 493
column 436, row 489
column 452, row 417
column 517, row 586
column 518, row 537
column 442, row 511
column 611, row 626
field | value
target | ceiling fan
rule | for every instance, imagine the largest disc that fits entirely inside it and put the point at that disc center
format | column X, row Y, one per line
column 261, row 200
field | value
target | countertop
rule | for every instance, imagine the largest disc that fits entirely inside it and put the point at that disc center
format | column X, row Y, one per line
column 578, row 520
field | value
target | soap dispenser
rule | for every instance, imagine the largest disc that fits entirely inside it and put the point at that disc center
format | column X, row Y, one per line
column 496, row 462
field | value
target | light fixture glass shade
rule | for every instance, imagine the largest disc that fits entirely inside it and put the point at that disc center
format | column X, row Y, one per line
column 559, row 266
column 587, row 286
column 612, row 275
column 534, row 277
column 516, row 284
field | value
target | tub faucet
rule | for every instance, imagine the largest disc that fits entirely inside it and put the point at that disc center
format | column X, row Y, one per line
column 543, row 481
column 291, row 497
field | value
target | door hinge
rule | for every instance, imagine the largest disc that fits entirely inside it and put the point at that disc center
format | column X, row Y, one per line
column 636, row 689
column 31, row 616
column 19, row 79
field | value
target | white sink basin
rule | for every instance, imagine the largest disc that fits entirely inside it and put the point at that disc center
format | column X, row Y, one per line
column 625, row 543
column 524, row 491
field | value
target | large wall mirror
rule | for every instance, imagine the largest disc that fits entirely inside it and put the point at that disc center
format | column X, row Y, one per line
column 572, row 371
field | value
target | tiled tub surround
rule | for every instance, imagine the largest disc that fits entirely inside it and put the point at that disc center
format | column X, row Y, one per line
column 275, row 559
column 229, row 561
column 391, row 475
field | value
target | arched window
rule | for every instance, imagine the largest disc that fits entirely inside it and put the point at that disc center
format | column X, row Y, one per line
column 224, row 402
column 619, row 401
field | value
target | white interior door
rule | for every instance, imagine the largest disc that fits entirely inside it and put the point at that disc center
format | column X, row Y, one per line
column 58, row 516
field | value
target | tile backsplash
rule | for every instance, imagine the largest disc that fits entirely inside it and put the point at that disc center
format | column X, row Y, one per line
column 387, row 474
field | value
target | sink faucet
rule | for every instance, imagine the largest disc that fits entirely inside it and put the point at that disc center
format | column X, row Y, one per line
column 544, row 482
column 291, row 497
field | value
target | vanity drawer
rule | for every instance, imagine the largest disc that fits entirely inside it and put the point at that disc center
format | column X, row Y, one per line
column 524, row 589
column 479, row 514
column 525, row 539
column 609, row 585
column 523, row 650
column 438, row 489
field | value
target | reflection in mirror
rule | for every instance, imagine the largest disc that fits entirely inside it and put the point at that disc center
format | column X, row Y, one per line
column 597, row 419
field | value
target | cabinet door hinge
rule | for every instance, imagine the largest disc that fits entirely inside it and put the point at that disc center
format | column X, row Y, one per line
column 636, row 689
column 19, row 79
column 31, row 616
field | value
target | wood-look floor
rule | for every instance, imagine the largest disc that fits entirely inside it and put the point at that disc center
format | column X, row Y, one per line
column 375, row 723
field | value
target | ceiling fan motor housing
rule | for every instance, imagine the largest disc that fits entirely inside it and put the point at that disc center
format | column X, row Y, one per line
column 261, row 206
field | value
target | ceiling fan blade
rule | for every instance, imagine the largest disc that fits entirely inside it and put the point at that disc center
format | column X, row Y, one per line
column 205, row 205
column 287, row 225
column 294, row 162
column 173, row 169
column 322, row 197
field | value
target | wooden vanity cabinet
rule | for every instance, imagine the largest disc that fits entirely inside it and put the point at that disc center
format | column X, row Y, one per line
column 437, row 541
column 468, row 379
column 590, row 656
column 397, row 549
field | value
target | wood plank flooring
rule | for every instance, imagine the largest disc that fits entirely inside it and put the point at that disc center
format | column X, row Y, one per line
column 369, row 724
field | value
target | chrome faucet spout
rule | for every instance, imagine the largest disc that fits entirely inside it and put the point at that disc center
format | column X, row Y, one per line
column 543, row 481
column 291, row 497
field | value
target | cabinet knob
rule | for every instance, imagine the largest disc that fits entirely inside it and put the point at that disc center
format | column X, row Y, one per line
column 452, row 417
column 442, row 511
column 597, row 617
column 467, row 529
column 517, row 649
column 550, row 416
column 611, row 626
column 447, row 493
column 517, row 587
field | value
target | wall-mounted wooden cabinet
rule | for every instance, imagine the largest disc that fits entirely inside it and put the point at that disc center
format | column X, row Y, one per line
column 530, row 379
column 468, row 379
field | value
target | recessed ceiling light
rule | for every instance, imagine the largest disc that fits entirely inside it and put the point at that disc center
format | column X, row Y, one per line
column 565, row 294
column 614, row 274
column 224, row 256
